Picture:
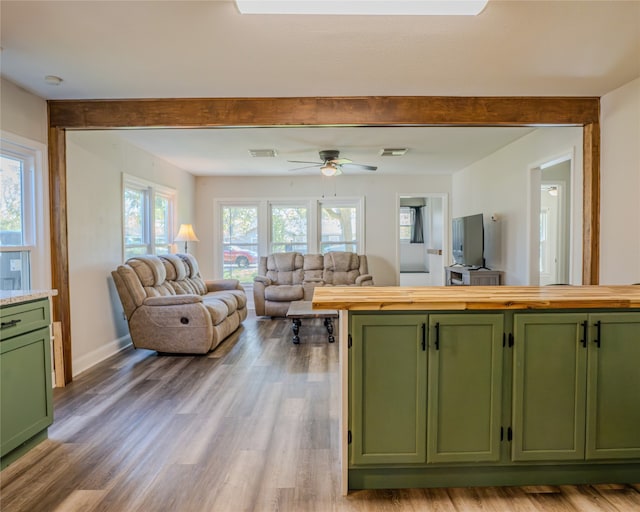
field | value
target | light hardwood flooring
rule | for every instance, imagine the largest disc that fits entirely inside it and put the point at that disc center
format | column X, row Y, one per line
column 253, row 426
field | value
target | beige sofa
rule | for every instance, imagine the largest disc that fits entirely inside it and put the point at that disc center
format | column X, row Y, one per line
column 171, row 309
column 289, row 276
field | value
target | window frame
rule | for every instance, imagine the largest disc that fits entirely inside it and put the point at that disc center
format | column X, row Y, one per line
column 314, row 208
column 35, row 207
column 290, row 204
column 346, row 202
column 402, row 239
column 150, row 190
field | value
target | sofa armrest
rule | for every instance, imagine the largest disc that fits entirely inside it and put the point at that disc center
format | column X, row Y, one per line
column 364, row 280
column 222, row 284
column 262, row 279
column 172, row 300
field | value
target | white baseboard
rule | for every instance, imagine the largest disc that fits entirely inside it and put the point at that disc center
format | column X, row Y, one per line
column 83, row 363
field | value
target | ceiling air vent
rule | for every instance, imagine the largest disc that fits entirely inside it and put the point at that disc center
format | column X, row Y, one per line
column 393, row 151
column 263, row 153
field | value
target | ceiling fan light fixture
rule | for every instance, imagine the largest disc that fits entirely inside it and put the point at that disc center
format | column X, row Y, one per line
column 329, row 169
column 363, row 7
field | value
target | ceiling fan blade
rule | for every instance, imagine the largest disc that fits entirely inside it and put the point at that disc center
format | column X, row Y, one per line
column 304, row 162
column 360, row 167
column 305, row 167
column 340, row 161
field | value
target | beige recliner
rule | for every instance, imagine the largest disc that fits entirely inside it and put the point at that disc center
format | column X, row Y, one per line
column 171, row 309
column 289, row 276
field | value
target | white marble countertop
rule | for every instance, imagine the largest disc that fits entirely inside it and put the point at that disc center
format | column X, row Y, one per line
column 16, row 296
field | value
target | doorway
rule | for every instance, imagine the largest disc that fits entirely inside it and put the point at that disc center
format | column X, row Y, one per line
column 551, row 223
column 422, row 239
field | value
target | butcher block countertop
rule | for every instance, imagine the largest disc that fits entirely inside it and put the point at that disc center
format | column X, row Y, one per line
column 460, row 298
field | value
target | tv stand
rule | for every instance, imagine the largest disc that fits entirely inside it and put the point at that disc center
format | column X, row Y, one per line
column 472, row 276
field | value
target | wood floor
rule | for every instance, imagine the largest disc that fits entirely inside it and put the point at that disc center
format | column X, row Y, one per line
column 251, row 427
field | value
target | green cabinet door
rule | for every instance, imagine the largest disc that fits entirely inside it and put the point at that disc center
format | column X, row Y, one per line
column 465, row 387
column 613, row 395
column 549, row 386
column 388, row 389
column 25, row 388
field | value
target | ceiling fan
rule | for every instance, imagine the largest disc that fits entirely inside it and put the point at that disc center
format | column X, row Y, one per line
column 331, row 164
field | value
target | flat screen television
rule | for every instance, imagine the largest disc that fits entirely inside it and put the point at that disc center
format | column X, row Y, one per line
column 468, row 240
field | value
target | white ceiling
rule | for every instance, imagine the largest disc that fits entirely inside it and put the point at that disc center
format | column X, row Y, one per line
column 225, row 152
column 139, row 49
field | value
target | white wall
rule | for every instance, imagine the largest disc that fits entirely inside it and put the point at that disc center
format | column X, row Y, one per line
column 22, row 113
column 95, row 163
column 380, row 193
column 499, row 184
column 620, row 185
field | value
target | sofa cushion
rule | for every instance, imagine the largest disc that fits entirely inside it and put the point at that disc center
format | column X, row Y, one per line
column 193, row 279
column 150, row 270
column 341, row 268
column 313, row 267
column 175, row 268
column 152, row 275
column 285, row 268
column 283, row 292
column 217, row 309
column 239, row 295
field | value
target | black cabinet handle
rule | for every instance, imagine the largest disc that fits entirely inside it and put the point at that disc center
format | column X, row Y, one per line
column 584, row 333
column 424, row 337
column 598, row 325
column 11, row 323
column 437, row 335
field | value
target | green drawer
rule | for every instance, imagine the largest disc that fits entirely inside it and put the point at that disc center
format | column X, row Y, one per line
column 24, row 317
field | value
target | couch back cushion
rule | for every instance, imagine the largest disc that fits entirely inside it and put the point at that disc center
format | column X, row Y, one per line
column 285, row 268
column 313, row 266
column 183, row 274
column 152, row 274
column 341, row 268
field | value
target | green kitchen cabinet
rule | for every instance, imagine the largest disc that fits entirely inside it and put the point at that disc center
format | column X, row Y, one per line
column 549, row 386
column 388, row 389
column 26, row 405
column 576, row 388
column 613, row 386
column 464, row 387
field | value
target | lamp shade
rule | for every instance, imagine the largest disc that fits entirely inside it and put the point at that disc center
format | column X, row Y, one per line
column 186, row 234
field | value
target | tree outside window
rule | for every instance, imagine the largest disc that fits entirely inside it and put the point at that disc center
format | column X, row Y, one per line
column 337, row 229
column 148, row 218
column 289, row 229
column 15, row 251
column 240, row 242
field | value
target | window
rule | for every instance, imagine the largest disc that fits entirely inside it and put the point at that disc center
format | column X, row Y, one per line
column 250, row 228
column 147, row 230
column 240, row 242
column 406, row 224
column 163, row 221
column 22, row 245
column 289, row 228
column 339, row 226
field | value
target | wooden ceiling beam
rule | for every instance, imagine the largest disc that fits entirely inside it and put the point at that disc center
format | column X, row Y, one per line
column 348, row 111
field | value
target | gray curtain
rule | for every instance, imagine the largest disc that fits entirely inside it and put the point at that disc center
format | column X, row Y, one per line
column 417, row 228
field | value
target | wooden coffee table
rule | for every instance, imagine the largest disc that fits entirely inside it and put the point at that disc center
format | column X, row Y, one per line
column 302, row 309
